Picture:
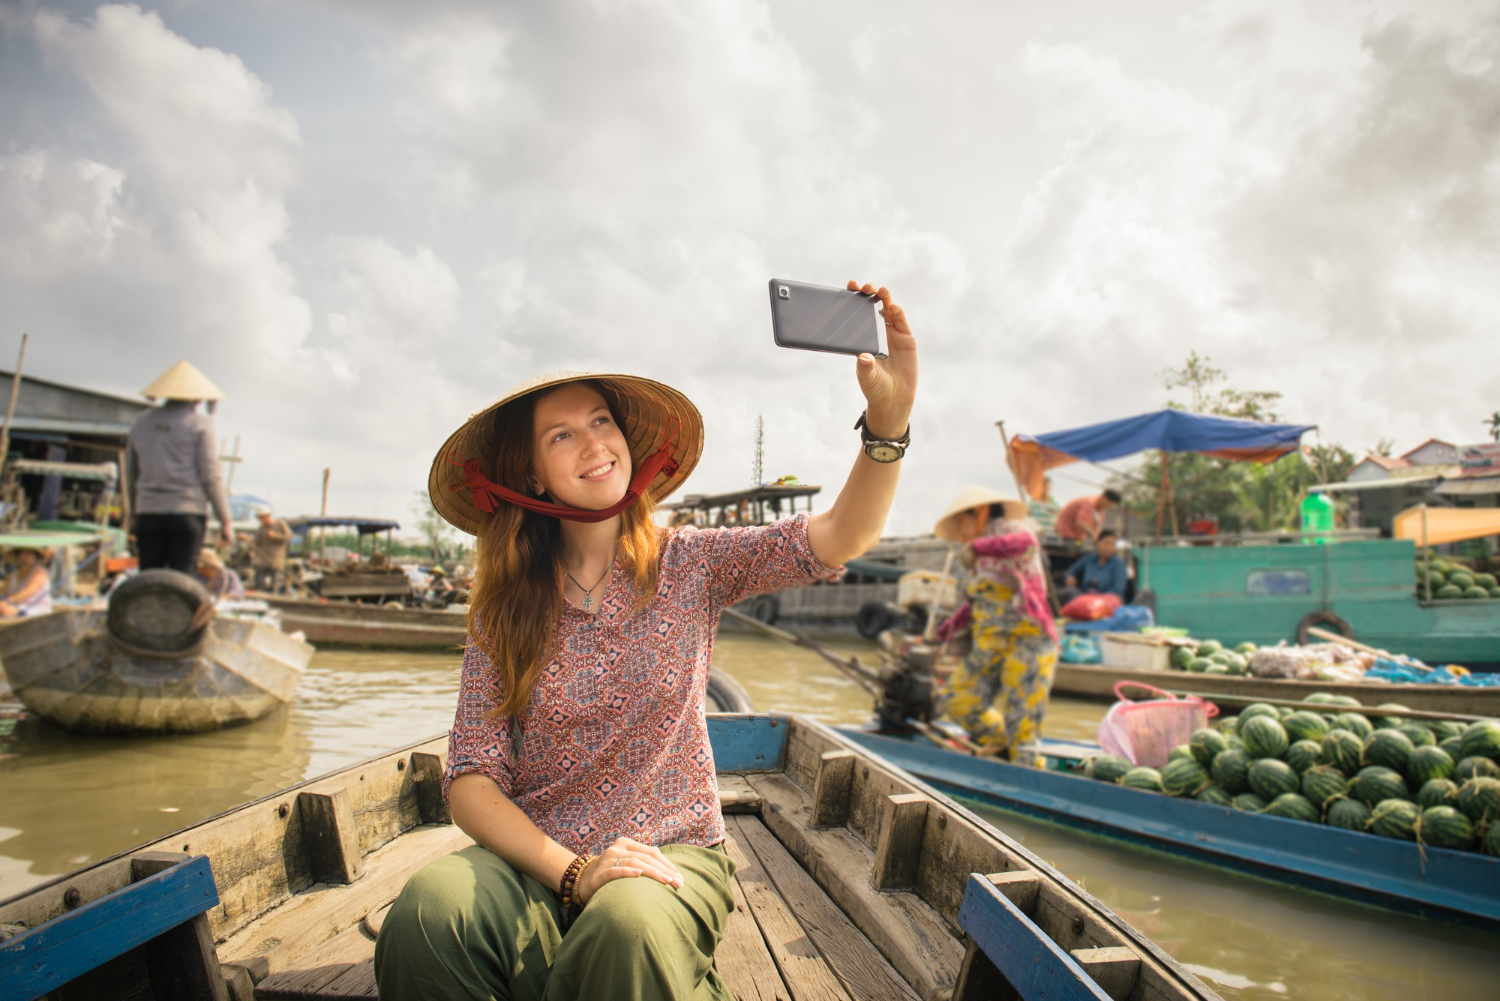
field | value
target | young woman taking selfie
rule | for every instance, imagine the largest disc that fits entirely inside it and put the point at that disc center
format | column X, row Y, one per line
column 579, row 759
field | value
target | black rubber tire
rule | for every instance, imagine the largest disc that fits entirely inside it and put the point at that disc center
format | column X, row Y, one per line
column 765, row 609
column 154, row 611
column 1326, row 619
column 725, row 694
column 874, row 619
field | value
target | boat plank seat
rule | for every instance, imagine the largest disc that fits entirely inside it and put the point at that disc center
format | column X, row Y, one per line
column 152, row 931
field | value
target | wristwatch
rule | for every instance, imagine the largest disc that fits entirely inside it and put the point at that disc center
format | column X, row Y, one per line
column 882, row 449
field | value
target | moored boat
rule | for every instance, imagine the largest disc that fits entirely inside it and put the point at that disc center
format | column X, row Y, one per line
column 1461, row 886
column 155, row 660
column 347, row 623
column 855, row 881
column 1097, row 681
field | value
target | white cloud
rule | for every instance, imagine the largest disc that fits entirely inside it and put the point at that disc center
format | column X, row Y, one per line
column 57, row 215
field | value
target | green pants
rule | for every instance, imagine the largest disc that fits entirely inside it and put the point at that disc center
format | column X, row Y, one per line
column 469, row 926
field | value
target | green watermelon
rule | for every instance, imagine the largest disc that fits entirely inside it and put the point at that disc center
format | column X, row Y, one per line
column 1495, row 592
column 1342, row 750
column 1180, row 751
column 1140, row 777
column 1356, row 723
column 1282, row 712
column 1491, row 845
column 1107, row 768
column 1255, row 709
column 1228, row 726
column 1445, row 827
column 1206, row 744
column 1474, row 768
column 1396, row 818
column 1461, row 578
column 1302, row 755
column 1293, row 807
column 1481, row 739
column 1324, row 783
column 1454, row 747
column 1221, row 657
column 1389, row 722
column 1214, row 795
column 1183, row 777
column 1270, row 777
column 1303, row 725
column 1344, row 700
column 1246, row 648
column 1210, row 647
column 1231, row 769
column 1447, row 592
column 1476, row 592
column 1319, row 698
column 1350, row 814
column 1390, row 748
column 1251, row 803
column 1264, row 737
column 1217, row 669
column 1234, row 741
column 1443, row 729
column 1426, row 764
column 1181, row 657
column 1485, row 580
column 1479, row 799
column 1419, row 735
column 1437, row 792
column 1376, row 783
column 1200, row 665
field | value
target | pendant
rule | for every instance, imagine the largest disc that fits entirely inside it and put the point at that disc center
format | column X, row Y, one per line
column 588, row 602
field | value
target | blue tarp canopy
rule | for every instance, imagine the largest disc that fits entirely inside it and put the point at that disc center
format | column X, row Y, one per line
column 1166, row 430
column 365, row 526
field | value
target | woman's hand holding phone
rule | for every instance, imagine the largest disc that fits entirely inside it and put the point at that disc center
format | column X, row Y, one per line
column 889, row 384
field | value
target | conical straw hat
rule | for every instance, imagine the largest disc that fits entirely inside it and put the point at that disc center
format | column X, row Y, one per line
column 182, row 382
column 968, row 500
column 651, row 414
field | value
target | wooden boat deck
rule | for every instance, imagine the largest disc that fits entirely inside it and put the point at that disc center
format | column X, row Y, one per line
column 786, row 940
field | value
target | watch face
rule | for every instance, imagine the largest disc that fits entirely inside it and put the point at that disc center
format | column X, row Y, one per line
column 883, row 452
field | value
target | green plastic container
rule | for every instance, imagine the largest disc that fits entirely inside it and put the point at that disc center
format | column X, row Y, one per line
column 1317, row 517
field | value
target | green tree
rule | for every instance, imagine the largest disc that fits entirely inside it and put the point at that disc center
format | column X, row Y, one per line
column 1494, row 425
column 431, row 525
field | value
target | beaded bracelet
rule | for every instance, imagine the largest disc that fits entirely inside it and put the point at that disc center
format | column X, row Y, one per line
column 569, row 887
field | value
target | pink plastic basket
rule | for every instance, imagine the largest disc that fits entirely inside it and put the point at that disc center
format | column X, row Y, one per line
column 1144, row 733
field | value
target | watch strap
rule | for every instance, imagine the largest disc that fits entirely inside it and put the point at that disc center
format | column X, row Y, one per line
column 868, row 438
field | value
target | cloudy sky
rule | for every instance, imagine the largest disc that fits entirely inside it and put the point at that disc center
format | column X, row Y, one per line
column 364, row 219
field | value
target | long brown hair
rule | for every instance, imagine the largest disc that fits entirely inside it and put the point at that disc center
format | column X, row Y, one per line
column 517, row 598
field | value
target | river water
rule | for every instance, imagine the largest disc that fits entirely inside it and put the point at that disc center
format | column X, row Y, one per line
column 66, row 801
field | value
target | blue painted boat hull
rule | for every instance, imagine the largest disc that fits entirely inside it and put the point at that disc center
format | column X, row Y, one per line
column 1433, row 882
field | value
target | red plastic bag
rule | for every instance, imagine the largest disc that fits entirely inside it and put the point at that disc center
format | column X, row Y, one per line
column 1091, row 607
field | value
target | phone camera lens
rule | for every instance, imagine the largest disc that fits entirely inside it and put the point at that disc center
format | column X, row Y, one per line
column 782, row 292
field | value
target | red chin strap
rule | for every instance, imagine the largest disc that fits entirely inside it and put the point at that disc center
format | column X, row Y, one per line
column 486, row 494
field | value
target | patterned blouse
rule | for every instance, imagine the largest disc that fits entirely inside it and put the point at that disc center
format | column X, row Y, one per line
column 614, row 741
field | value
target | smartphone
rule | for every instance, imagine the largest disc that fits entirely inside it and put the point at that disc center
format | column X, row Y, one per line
column 818, row 318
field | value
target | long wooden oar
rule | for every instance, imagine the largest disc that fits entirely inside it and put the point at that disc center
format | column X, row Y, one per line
column 861, row 675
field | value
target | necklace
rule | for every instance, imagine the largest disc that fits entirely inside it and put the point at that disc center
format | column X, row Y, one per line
column 588, row 592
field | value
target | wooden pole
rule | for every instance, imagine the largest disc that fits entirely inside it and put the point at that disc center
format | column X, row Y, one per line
column 1161, row 495
column 1426, row 555
column 15, row 392
column 323, row 529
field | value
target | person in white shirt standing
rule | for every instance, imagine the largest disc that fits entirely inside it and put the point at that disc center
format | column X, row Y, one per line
column 172, row 466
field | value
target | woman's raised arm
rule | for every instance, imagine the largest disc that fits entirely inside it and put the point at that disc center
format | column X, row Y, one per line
column 854, row 523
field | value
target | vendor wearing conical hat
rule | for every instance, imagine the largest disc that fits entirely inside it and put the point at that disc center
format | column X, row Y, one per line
column 999, row 693
column 579, row 759
column 172, row 466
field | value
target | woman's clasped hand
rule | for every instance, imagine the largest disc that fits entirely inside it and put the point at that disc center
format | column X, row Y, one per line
column 626, row 859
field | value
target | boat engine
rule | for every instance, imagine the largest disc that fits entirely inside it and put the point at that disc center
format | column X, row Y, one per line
column 909, row 686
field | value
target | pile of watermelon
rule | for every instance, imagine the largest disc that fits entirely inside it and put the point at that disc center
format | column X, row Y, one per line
column 1454, row 580
column 1436, row 782
column 1213, row 657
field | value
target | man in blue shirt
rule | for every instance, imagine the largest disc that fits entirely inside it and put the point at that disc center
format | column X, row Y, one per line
column 1099, row 572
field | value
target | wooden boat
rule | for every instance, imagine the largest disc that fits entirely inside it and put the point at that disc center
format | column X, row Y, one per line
column 1459, row 886
column 151, row 662
column 349, row 624
column 1097, row 681
column 855, row 881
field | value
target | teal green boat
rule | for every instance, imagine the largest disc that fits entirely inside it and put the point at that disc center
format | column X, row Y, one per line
column 1364, row 589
